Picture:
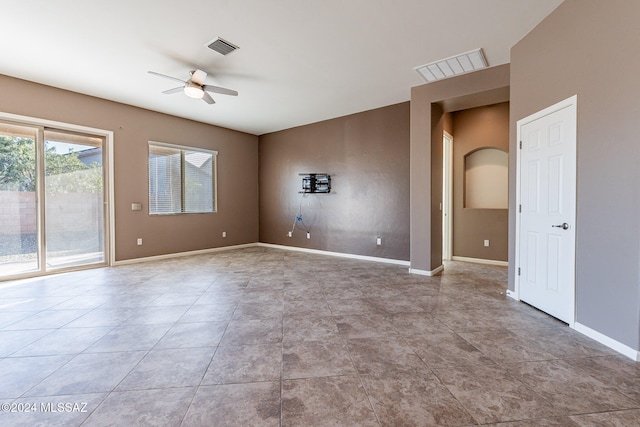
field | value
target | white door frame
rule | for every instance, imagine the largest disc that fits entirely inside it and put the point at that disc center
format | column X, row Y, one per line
column 567, row 103
column 109, row 217
column 447, row 196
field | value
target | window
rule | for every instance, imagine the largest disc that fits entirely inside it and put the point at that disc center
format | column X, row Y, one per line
column 181, row 179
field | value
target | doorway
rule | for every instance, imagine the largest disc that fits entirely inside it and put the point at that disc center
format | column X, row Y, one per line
column 546, row 203
column 54, row 197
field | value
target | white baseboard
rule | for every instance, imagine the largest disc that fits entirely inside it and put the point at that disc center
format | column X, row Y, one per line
column 597, row 336
column 512, row 294
column 609, row 342
column 336, row 254
column 433, row 272
column 264, row 245
column 481, row 261
column 181, row 254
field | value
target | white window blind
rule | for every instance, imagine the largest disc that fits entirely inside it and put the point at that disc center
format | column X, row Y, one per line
column 198, row 181
column 181, row 179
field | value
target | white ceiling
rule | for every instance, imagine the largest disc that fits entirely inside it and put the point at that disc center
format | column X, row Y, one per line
column 299, row 61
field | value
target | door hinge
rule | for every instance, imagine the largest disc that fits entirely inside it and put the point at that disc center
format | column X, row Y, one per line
column 519, row 208
column 518, row 271
column 521, row 145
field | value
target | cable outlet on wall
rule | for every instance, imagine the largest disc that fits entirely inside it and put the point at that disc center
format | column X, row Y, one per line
column 139, row 241
column 486, row 243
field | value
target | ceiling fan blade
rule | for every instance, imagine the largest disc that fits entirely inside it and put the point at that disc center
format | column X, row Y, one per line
column 165, row 76
column 198, row 77
column 218, row 89
column 207, row 98
column 174, row 90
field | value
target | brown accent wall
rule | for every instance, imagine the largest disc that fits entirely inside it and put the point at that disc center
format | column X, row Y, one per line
column 133, row 128
column 476, row 128
column 367, row 156
column 429, row 105
column 589, row 48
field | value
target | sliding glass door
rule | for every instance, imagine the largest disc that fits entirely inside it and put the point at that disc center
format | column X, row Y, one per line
column 52, row 200
column 74, row 199
column 19, row 225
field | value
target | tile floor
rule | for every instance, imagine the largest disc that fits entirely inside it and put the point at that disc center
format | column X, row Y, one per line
column 262, row 337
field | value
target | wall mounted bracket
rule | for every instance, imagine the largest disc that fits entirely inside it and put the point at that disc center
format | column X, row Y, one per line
column 316, row 183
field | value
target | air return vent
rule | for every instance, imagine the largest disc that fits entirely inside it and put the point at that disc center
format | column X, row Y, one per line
column 453, row 66
column 222, row 46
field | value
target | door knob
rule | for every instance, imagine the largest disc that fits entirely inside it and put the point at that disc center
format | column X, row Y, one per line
column 564, row 226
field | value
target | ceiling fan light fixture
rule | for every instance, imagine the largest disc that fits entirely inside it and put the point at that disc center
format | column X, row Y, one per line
column 192, row 90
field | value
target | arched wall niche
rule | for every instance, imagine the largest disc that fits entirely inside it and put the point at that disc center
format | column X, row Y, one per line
column 486, row 178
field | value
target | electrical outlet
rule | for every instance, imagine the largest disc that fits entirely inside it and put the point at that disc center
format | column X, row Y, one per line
column 289, row 234
column 379, row 241
column 308, row 235
column 224, row 234
column 139, row 241
column 486, row 243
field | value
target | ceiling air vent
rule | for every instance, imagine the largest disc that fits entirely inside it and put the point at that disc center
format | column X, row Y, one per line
column 453, row 66
column 222, row 46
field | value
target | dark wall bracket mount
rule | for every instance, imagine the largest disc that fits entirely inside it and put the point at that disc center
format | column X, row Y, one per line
column 316, row 183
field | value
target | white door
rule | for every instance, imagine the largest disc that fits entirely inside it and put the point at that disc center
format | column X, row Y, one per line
column 447, row 190
column 547, row 210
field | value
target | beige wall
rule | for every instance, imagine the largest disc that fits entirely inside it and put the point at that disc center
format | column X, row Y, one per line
column 429, row 104
column 476, row 128
column 589, row 48
column 133, row 128
column 367, row 156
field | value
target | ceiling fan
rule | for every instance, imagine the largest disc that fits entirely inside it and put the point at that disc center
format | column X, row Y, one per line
column 194, row 87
